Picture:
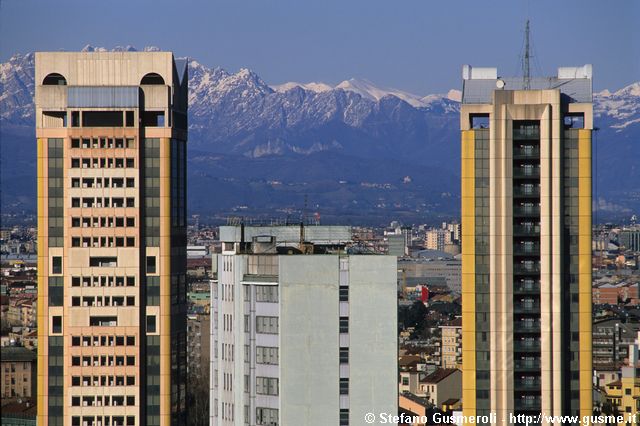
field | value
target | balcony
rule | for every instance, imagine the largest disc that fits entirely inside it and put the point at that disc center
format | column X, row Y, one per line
column 526, row 230
column 527, row 384
column 526, row 308
column 527, row 327
column 526, row 151
column 526, row 211
column 526, row 249
column 527, row 287
column 526, row 134
column 526, row 172
column 527, row 345
column 526, row 268
column 527, row 364
column 527, row 404
column 526, row 191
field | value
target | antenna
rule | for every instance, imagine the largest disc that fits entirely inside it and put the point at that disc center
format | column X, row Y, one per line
column 525, row 60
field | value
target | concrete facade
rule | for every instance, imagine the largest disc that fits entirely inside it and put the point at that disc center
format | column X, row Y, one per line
column 111, row 133
column 293, row 327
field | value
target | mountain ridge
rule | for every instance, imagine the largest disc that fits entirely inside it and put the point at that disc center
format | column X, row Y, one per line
column 355, row 123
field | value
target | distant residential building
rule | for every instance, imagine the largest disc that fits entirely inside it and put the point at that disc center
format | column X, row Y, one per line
column 624, row 394
column 436, row 239
column 610, row 293
column 18, row 368
column 396, row 245
column 19, row 413
column 451, row 346
column 302, row 333
column 414, row 406
column 433, row 270
column 442, row 385
column 629, row 238
column 611, row 340
column 198, row 344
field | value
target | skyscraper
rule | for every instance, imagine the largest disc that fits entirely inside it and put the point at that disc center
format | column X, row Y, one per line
column 302, row 332
column 526, row 231
column 111, row 132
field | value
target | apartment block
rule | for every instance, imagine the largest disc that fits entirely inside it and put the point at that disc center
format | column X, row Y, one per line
column 526, row 243
column 302, row 332
column 111, row 132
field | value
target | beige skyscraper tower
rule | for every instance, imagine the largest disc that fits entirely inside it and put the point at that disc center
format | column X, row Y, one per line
column 526, row 243
column 111, row 132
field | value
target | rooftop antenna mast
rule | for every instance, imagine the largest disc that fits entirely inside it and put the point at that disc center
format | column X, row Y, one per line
column 525, row 60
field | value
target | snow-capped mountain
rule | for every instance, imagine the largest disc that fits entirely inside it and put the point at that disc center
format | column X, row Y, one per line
column 621, row 106
column 244, row 130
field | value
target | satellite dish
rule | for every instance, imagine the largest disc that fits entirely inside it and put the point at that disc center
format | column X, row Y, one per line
column 500, row 84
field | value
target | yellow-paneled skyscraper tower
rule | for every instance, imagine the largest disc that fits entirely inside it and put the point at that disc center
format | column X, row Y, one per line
column 111, row 132
column 526, row 243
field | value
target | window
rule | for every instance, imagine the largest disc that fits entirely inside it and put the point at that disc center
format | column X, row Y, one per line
column 344, row 355
column 151, row 323
column 129, row 120
column 344, row 293
column 104, row 262
column 56, row 324
column 266, row 386
column 344, row 386
column 75, row 118
column 266, row 355
column 267, row 325
column 151, row 264
column 267, row 293
column 344, row 417
column 266, row 416
column 344, row 324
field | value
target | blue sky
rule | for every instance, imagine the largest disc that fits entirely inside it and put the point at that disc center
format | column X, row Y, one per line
column 414, row 45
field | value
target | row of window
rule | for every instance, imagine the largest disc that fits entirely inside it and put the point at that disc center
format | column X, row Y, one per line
column 227, row 381
column 264, row 416
column 103, row 143
column 100, row 401
column 267, row 386
column 103, row 281
column 103, row 361
column 103, row 242
column 102, row 420
column 267, row 293
column 227, row 292
column 99, row 202
column 227, row 351
column 103, row 222
column 103, row 340
column 267, row 355
column 116, row 182
column 96, row 381
column 266, row 325
column 103, row 163
column 227, row 322
column 103, row 301
column 343, row 296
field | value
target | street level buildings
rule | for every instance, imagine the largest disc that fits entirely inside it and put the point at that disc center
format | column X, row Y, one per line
column 526, row 243
column 302, row 332
column 111, row 132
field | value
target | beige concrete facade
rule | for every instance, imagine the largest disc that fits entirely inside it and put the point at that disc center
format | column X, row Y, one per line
column 96, row 115
column 530, row 185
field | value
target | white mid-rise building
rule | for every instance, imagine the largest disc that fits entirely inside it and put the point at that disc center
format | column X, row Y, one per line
column 302, row 333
